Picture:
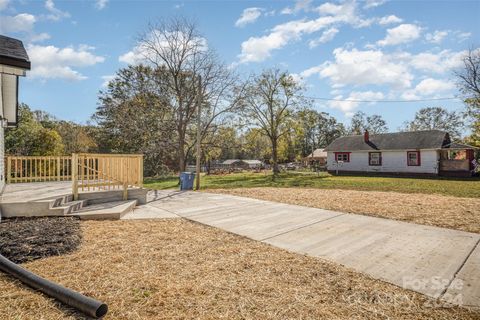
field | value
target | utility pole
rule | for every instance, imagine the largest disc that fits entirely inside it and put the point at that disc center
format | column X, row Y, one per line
column 199, row 132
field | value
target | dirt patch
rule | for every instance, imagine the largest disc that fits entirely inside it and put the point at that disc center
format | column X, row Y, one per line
column 27, row 239
column 175, row 269
column 435, row 210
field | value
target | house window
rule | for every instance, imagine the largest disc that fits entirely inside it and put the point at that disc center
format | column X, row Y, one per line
column 342, row 157
column 413, row 158
column 375, row 158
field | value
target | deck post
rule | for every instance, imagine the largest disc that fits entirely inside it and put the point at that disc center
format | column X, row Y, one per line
column 140, row 173
column 58, row 168
column 9, row 169
column 75, row 176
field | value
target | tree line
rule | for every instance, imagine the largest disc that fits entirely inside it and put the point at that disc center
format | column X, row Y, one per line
column 152, row 108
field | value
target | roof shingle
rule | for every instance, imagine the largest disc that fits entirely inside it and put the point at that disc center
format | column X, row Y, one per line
column 13, row 53
column 431, row 139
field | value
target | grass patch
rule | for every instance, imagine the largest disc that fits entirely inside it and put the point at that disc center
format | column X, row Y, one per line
column 175, row 269
column 447, row 186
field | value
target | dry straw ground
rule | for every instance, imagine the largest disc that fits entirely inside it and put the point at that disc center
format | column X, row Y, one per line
column 181, row 270
column 430, row 209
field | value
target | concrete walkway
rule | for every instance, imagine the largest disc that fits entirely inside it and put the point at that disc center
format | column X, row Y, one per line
column 437, row 262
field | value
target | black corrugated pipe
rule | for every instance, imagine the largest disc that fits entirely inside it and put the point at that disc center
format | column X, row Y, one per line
column 89, row 306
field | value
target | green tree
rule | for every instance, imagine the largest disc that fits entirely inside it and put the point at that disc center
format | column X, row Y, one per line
column 134, row 116
column 316, row 130
column 31, row 138
column 436, row 118
column 374, row 124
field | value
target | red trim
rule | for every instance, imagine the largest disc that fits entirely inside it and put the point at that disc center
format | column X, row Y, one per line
column 347, row 153
column 370, row 159
column 470, row 155
column 419, row 159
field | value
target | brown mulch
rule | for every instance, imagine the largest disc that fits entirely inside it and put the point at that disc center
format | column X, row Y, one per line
column 27, row 239
column 429, row 209
column 176, row 269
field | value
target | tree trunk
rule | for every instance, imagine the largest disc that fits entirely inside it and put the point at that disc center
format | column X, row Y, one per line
column 181, row 153
column 275, row 157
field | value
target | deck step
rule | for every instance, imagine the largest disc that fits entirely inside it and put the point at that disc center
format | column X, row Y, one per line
column 69, row 207
column 105, row 211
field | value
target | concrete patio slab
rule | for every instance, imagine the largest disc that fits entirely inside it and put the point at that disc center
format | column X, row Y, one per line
column 408, row 255
column 425, row 259
column 466, row 286
column 148, row 212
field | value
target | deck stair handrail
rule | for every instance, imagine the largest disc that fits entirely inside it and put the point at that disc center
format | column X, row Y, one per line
column 92, row 172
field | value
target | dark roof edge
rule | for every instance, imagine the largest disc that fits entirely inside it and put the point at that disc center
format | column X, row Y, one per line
column 463, row 145
column 14, row 62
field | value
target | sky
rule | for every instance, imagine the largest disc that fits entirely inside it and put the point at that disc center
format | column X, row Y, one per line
column 347, row 51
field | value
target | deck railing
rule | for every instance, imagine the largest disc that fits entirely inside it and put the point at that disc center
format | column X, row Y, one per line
column 91, row 172
column 38, row 169
column 87, row 171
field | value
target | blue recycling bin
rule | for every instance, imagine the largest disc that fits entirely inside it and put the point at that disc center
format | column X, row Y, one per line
column 186, row 180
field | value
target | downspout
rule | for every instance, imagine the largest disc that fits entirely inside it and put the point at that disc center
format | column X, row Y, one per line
column 88, row 306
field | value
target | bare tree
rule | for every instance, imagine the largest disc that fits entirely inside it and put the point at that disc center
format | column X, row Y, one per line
column 269, row 100
column 194, row 69
column 469, row 75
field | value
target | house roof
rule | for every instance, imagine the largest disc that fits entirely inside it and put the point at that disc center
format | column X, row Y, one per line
column 253, row 161
column 430, row 139
column 13, row 53
column 231, row 161
column 317, row 153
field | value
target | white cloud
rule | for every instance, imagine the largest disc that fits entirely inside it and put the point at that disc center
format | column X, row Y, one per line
column 22, row 22
column 402, row 34
column 249, row 15
column 257, row 49
column 55, row 13
column 441, row 62
column 391, row 19
column 327, row 36
column 101, row 4
column 358, row 68
column 462, row 36
column 132, row 57
column 429, row 88
column 350, row 103
column 373, row 3
column 106, row 79
column 50, row 62
column 4, row 4
column 39, row 37
column 436, row 37
column 300, row 5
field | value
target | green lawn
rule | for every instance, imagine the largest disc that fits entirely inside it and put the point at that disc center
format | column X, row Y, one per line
column 447, row 186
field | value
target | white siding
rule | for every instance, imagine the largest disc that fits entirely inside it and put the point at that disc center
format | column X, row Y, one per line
column 2, row 161
column 2, row 144
column 392, row 162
